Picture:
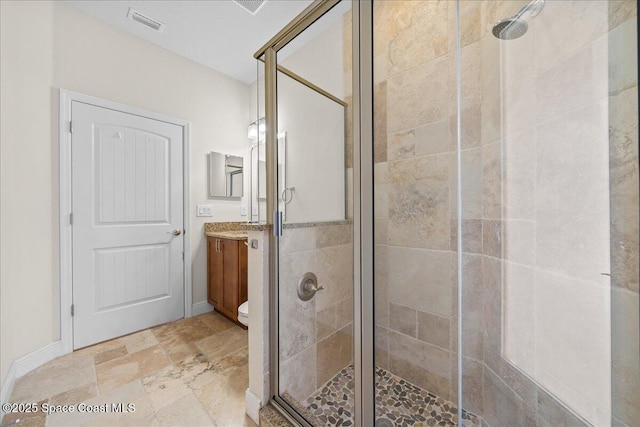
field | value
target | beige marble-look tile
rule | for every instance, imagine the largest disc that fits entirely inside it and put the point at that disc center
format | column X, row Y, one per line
column 344, row 312
column 472, row 180
column 380, row 122
column 428, row 23
column 123, row 370
column 333, row 235
column 589, row 21
column 492, row 238
column 502, row 407
column 421, row 279
column 419, row 202
column 76, row 395
column 573, row 83
column 407, row 91
column 298, row 240
column 108, row 355
column 216, row 321
column 98, row 348
column 131, row 392
column 298, row 376
column 403, row 319
column 142, row 416
column 572, row 207
column 433, row 329
column 470, row 22
column 471, row 235
column 519, row 169
column 298, row 324
column 625, row 356
column 621, row 11
column 53, row 378
column 139, row 341
column 491, row 181
column 26, row 419
column 381, row 285
column 187, row 411
column 179, row 352
column 184, row 331
column 164, row 389
column 335, row 272
column 333, row 354
column 381, row 344
column 223, row 343
column 326, row 322
column 426, row 365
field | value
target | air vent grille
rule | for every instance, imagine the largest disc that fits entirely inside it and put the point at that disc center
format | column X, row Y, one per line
column 251, row 6
column 145, row 20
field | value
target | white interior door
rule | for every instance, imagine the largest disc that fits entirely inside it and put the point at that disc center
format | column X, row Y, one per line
column 127, row 179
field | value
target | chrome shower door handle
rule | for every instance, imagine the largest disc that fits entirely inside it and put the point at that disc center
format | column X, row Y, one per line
column 287, row 192
column 175, row 232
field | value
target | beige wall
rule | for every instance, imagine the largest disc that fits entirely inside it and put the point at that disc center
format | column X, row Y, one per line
column 47, row 46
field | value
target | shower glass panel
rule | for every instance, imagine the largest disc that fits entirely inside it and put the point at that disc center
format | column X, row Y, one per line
column 415, row 198
column 315, row 250
column 550, row 212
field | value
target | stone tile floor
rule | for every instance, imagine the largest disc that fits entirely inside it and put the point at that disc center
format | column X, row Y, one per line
column 398, row 403
column 192, row 372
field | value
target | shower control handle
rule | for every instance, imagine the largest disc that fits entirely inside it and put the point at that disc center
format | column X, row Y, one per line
column 308, row 286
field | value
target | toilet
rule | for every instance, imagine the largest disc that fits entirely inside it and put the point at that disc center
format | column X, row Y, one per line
column 243, row 313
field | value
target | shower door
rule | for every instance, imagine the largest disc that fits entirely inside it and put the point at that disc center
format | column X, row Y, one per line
column 314, row 267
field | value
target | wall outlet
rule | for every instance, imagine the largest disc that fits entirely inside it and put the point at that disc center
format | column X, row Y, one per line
column 204, row 210
column 254, row 211
column 243, row 210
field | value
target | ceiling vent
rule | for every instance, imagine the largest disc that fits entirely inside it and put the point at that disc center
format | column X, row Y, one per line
column 145, row 20
column 251, row 6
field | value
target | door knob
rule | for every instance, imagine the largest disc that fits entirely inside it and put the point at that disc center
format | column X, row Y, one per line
column 175, row 232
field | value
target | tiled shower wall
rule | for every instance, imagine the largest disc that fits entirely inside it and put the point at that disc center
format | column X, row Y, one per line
column 315, row 336
column 416, row 189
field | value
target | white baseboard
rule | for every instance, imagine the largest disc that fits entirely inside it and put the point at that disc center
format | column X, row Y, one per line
column 253, row 405
column 26, row 364
column 200, row 308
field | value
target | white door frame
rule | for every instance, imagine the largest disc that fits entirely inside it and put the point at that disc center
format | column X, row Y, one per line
column 66, row 236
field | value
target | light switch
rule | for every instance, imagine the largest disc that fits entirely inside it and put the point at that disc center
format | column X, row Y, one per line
column 204, row 210
column 243, row 210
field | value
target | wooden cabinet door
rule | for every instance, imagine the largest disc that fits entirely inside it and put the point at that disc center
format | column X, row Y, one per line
column 229, row 302
column 214, row 272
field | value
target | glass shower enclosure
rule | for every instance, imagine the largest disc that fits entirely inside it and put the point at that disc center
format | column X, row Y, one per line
column 453, row 192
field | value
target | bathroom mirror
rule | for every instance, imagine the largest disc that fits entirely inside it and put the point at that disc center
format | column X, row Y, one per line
column 225, row 175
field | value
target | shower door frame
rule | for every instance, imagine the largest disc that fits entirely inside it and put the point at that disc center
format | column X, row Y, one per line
column 363, row 241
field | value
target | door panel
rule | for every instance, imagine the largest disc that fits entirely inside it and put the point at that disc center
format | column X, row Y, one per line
column 127, row 201
column 230, row 279
column 315, row 359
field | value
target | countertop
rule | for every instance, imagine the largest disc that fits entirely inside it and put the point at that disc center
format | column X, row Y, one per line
column 232, row 235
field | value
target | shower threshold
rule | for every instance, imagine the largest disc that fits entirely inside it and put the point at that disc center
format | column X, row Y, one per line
column 398, row 403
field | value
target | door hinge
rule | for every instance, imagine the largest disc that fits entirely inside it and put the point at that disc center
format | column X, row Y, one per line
column 183, row 255
column 73, row 310
column 70, row 127
column 277, row 223
column 71, row 218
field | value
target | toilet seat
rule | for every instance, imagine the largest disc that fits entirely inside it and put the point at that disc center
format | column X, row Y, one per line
column 243, row 313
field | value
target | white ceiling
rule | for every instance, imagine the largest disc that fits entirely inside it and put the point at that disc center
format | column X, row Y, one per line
column 217, row 33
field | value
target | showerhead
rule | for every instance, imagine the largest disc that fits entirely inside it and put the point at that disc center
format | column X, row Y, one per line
column 510, row 28
column 516, row 26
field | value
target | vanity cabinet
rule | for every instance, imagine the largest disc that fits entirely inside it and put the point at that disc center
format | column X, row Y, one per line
column 226, row 275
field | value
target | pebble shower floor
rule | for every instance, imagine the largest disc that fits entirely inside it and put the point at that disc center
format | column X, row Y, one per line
column 398, row 403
